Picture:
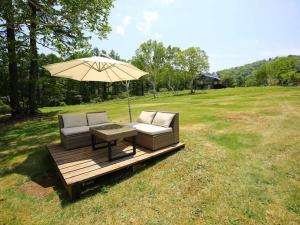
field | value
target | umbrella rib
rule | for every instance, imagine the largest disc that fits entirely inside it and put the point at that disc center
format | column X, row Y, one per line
column 67, row 69
column 116, row 74
column 110, row 65
column 87, row 71
column 133, row 67
column 108, row 75
column 126, row 72
column 103, row 67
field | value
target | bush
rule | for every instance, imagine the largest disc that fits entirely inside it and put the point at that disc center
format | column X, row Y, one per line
column 77, row 99
column 251, row 81
column 290, row 78
column 96, row 100
column 4, row 109
column 73, row 97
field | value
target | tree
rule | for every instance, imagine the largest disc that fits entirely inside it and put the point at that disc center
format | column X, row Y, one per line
column 194, row 62
column 277, row 68
column 261, row 75
column 151, row 56
column 172, row 66
column 8, row 14
column 237, row 76
column 59, row 25
column 53, row 89
column 250, row 81
column 115, row 85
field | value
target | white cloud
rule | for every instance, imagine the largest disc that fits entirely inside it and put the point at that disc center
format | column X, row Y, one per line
column 120, row 30
column 167, row 2
column 126, row 20
column 157, row 36
column 149, row 17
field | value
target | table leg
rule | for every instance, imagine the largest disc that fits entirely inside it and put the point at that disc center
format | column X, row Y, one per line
column 133, row 145
column 109, row 151
column 93, row 141
column 109, row 144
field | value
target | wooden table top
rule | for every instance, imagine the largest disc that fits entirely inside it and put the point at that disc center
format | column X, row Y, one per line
column 113, row 132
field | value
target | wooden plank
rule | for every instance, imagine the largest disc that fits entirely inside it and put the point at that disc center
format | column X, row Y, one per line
column 86, row 152
column 82, row 165
column 62, row 152
column 119, row 164
column 99, row 160
column 78, row 159
column 96, row 166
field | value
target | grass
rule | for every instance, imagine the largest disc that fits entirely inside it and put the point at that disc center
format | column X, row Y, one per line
column 240, row 165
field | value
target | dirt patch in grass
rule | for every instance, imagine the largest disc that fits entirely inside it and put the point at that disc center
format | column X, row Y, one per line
column 245, row 117
column 195, row 127
column 41, row 187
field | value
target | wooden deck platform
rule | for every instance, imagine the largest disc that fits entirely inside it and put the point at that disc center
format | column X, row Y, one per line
column 83, row 164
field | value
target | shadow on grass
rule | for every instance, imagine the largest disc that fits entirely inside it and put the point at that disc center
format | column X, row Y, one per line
column 102, row 184
column 39, row 168
column 25, row 153
column 199, row 92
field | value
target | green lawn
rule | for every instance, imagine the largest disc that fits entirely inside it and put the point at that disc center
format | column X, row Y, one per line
column 241, row 165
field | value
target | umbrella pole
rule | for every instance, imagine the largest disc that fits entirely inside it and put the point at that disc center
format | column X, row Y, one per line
column 128, row 98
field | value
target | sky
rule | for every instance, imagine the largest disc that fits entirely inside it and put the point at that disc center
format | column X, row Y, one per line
column 231, row 32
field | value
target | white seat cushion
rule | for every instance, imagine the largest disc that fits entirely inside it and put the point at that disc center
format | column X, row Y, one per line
column 163, row 119
column 75, row 130
column 97, row 118
column 146, row 117
column 74, row 120
column 150, row 129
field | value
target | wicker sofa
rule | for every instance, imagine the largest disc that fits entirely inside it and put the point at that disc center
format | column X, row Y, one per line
column 157, row 129
column 75, row 128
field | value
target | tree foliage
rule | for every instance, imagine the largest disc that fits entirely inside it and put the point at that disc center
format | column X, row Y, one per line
column 59, row 25
column 277, row 71
column 170, row 67
column 151, row 55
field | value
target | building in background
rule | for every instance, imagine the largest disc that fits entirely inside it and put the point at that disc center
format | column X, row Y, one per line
column 209, row 81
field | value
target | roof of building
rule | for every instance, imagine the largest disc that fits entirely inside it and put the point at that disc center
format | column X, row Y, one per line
column 211, row 76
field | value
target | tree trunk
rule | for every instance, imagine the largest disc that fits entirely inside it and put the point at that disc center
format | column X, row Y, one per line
column 142, row 87
column 153, row 89
column 154, row 85
column 104, row 91
column 192, row 86
column 33, row 71
column 12, row 65
column 170, row 85
column 115, row 88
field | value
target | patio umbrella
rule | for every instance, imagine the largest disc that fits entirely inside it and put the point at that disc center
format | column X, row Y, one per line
column 97, row 68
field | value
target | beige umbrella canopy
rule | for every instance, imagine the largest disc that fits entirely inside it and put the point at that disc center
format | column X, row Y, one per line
column 97, row 68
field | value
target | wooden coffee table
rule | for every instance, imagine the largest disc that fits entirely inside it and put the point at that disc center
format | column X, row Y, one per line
column 110, row 134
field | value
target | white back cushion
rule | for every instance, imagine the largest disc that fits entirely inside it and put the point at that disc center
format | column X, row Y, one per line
column 163, row 119
column 146, row 117
column 74, row 120
column 97, row 118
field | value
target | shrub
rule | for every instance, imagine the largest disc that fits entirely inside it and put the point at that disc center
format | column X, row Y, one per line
column 96, row 100
column 4, row 109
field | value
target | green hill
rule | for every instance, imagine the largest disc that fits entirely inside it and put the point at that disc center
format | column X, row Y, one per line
column 237, row 76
